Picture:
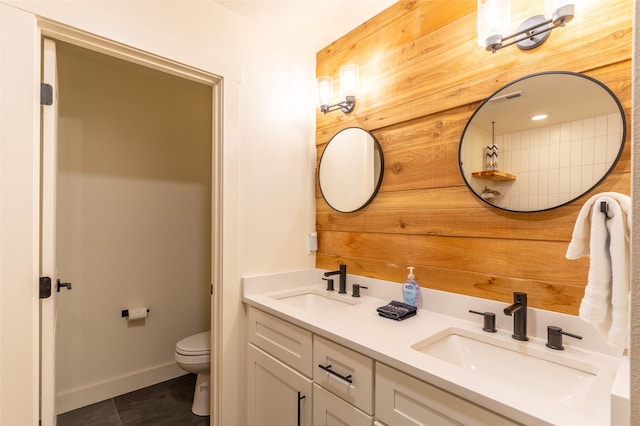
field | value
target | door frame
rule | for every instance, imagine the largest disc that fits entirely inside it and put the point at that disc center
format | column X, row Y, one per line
column 56, row 31
column 48, row 192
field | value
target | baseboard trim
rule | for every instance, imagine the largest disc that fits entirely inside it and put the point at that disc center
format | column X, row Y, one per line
column 96, row 392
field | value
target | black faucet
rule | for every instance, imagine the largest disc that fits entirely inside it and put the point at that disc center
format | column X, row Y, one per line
column 519, row 311
column 343, row 278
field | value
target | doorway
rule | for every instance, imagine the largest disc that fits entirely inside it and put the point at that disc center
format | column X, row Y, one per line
column 134, row 222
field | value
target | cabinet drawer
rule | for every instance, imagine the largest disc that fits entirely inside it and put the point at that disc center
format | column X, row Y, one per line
column 329, row 410
column 346, row 373
column 285, row 341
column 402, row 400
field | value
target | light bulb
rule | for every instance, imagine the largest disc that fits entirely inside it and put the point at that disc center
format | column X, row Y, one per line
column 349, row 80
column 494, row 18
column 325, row 90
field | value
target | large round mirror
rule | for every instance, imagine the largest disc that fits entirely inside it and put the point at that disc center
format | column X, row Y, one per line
column 542, row 141
column 350, row 170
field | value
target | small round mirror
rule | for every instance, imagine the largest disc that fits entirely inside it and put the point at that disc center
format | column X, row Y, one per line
column 542, row 141
column 350, row 170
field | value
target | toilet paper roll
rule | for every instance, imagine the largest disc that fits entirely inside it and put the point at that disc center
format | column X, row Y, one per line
column 137, row 313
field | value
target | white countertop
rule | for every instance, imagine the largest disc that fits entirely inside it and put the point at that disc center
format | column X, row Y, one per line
column 360, row 328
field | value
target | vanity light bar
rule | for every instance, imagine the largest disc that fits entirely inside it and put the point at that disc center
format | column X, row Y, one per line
column 493, row 16
column 349, row 81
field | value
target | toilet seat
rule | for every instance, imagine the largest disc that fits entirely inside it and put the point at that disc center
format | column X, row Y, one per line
column 196, row 345
column 193, row 361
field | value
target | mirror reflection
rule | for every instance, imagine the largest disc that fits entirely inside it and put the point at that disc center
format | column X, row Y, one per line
column 350, row 170
column 542, row 141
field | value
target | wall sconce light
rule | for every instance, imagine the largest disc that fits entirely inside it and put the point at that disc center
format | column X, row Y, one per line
column 349, row 80
column 494, row 18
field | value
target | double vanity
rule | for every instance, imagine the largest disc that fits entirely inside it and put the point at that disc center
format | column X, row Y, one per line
column 322, row 357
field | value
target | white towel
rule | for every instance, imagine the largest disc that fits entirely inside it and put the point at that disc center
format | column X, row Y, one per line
column 605, row 238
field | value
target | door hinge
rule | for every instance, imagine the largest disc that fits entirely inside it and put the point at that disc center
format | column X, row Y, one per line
column 46, row 94
column 45, row 287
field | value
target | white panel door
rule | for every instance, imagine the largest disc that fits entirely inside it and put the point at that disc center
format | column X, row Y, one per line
column 278, row 395
column 48, row 315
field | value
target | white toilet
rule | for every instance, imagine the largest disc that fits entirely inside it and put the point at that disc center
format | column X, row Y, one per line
column 193, row 355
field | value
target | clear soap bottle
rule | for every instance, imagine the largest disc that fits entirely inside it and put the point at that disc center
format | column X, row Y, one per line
column 411, row 289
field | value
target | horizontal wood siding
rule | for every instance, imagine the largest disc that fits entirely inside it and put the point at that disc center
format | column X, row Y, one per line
column 422, row 76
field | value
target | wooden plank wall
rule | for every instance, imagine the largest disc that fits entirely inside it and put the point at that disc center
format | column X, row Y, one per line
column 422, row 75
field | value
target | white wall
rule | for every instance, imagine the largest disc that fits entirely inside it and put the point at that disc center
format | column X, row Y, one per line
column 19, row 160
column 277, row 166
column 134, row 208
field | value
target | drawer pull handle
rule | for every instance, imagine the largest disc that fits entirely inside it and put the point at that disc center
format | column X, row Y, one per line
column 328, row 369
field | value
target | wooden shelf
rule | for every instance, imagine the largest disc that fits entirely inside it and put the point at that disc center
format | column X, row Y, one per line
column 494, row 175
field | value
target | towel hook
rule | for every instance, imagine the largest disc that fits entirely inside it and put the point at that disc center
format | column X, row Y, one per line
column 604, row 207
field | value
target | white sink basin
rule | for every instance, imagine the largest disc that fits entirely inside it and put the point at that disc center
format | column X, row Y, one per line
column 518, row 365
column 316, row 301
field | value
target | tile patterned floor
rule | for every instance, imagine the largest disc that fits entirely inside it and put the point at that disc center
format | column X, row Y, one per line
column 164, row 404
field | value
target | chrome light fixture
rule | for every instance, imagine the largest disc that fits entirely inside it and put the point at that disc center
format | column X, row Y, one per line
column 349, row 80
column 494, row 18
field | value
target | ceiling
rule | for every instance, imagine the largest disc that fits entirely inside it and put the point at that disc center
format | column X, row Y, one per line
column 564, row 96
column 315, row 23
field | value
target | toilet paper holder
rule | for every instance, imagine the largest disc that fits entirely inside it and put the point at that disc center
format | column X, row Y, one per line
column 125, row 312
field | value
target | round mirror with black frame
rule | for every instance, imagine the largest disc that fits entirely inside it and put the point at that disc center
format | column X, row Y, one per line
column 542, row 141
column 350, row 170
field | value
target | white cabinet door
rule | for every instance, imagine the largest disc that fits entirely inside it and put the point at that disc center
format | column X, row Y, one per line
column 277, row 394
column 402, row 400
column 329, row 410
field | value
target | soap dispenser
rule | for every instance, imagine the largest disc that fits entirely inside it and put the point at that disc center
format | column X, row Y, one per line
column 411, row 289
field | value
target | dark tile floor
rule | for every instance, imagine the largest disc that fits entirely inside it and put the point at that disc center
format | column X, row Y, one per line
column 164, row 404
